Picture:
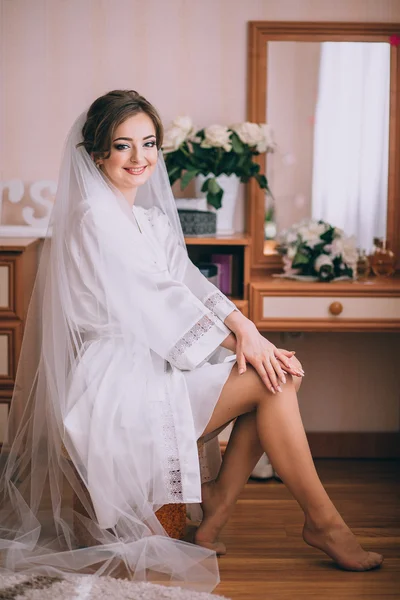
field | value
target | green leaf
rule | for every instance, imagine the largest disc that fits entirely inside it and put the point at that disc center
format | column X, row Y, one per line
column 213, row 186
column 187, row 178
column 237, row 145
column 262, row 181
column 215, row 200
column 300, row 259
column 174, row 174
column 204, row 187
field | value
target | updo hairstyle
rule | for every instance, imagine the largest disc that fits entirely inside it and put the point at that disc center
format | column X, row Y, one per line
column 107, row 113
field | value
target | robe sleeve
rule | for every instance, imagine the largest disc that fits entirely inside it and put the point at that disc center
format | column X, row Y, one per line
column 182, row 268
column 133, row 292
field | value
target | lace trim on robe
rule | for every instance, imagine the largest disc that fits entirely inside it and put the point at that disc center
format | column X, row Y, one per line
column 191, row 337
column 172, row 467
column 212, row 301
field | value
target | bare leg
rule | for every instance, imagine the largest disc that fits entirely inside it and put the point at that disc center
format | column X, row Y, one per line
column 219, row 497
column 282, row 437
column 242, row 453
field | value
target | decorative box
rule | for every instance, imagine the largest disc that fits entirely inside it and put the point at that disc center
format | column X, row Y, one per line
column 198, row 222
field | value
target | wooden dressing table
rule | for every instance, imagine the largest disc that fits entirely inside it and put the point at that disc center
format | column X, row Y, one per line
column 373, row 307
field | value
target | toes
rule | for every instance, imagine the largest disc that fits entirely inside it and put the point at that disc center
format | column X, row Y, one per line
column 375, row 560
column 372, row 561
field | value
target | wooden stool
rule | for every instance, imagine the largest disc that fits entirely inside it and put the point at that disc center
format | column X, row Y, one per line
column 171, row 516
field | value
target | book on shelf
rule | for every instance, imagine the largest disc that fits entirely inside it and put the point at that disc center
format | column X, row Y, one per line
column 224, row 264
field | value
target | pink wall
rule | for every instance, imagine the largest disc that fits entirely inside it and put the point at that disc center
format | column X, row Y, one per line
column 186, row 56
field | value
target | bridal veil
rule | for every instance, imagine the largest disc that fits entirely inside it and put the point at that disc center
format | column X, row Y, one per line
column 51, row 457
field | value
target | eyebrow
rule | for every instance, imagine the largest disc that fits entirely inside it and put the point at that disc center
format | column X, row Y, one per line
column 131, row 140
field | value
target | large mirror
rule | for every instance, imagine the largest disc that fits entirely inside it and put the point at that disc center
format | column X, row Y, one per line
column 331, row 97
column 328, row 105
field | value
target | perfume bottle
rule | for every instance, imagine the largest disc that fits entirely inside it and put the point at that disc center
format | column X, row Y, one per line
column 363, row 265
column 383, row 260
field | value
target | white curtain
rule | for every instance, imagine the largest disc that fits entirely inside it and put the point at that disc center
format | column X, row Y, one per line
column 351, row 139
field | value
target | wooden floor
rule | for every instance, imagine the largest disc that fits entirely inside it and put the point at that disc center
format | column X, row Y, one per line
column 267, row 559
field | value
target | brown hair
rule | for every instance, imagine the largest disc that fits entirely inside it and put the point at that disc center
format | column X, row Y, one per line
column 107, row 113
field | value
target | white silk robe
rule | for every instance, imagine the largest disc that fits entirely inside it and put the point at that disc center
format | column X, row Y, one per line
column 110, row 432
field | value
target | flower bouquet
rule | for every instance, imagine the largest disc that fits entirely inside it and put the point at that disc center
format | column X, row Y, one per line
column 214, row 151
column 316, row 251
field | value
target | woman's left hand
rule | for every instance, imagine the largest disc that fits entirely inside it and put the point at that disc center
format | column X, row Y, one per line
column 265, row 357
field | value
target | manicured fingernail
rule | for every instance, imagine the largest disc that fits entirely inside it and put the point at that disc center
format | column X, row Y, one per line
column 278, row 387
column 283, row 379
column 241, row 371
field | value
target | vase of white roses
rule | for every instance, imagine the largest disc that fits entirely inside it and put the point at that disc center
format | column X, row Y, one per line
column 218, row 158
column 317, row 251
column 229, row 184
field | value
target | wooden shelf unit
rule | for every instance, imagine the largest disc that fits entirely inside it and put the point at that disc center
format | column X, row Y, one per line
column 200, row 249
column 237, row 239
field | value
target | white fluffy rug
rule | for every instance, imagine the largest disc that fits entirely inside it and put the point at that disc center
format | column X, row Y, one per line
column 81, row 587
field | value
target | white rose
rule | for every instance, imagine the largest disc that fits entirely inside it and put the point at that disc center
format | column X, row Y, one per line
column 217, row 136
column 346, row 248
column 266, row 143
column 291, row 237
column 173, row 138
column 311, row 233
column 180, row 129
column 184, row 123
column 337, row 247
column 317, row 228
column 248, row 133
column 322, row 261
column 309, row 237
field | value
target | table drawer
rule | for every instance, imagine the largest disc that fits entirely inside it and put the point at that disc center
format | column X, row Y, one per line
column 10, row 343
column 4, row 408
column 7, row 300
column 289, row 312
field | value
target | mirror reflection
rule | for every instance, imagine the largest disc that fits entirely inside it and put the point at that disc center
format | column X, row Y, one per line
column 328, row 105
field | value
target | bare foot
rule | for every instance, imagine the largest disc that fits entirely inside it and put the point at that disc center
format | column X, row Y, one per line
column 341, row 545
column 215, row 515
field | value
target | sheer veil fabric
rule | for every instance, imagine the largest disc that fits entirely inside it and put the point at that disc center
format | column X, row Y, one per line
column 85, row 328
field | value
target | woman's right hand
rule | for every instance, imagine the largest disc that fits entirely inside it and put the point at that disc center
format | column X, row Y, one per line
column 269, row 362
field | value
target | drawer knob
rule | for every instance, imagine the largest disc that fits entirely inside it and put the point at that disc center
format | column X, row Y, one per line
column 336, row 308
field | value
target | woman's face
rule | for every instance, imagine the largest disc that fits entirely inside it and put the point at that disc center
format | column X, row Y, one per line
column 133, row 155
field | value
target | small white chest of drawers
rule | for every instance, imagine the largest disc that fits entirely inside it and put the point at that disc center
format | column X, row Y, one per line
column 18, row 266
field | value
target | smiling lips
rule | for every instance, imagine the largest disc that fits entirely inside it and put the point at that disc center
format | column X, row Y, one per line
column 136, row 171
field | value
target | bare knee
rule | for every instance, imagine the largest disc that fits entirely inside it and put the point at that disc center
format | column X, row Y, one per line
column 264, row 394
column 295, row 362
column 297, row 365
column 297, row 382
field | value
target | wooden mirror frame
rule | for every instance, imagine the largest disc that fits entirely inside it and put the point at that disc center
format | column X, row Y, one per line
column 261, row 32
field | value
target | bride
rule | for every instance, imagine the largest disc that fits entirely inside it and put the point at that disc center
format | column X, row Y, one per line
column 130, row 375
